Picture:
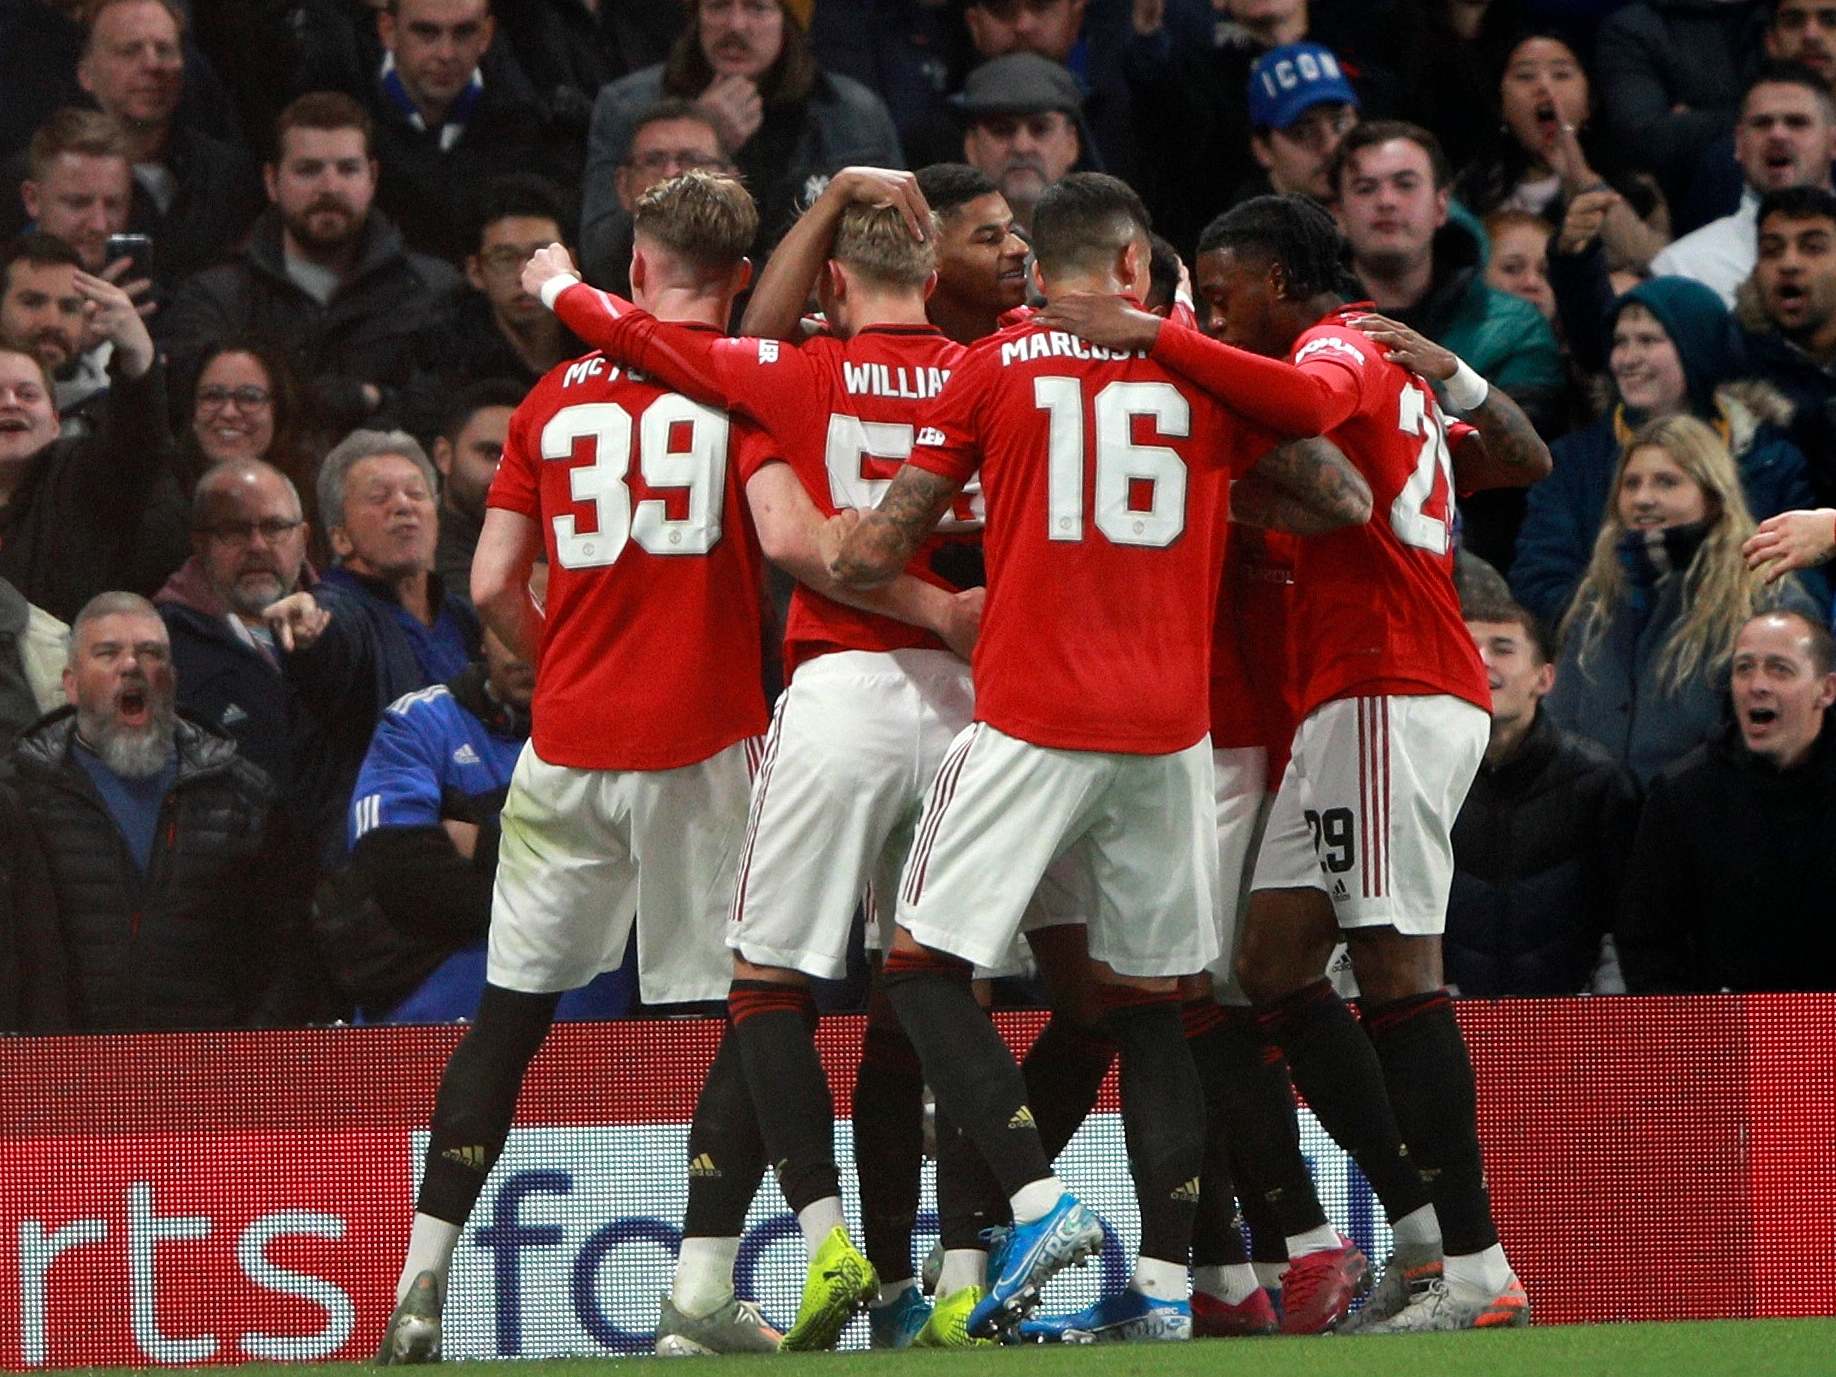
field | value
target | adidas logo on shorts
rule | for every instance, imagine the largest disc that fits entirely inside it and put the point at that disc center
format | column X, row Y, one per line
column 1023, row 1118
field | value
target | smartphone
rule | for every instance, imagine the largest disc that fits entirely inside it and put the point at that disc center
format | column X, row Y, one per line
column 136, row 247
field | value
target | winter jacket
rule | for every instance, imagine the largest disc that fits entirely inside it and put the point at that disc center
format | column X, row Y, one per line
column 1653, row 57
column 33, row 645
column 1809, row 387
column 1538, row 847
column 34, row 985
column 461, row 345
column 360, row 336
column 1730, row 879
column 842, row 124
column 1564, row 511
column 67, row 534
column 210, row 936
column 372, row 652
column 1617, row 697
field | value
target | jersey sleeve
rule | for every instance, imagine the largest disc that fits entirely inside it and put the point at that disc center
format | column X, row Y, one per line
column 398, row 784
column 752, row 450
column 517, row 486
column 948, row 443
column 1341, row 361
column 1278, row 396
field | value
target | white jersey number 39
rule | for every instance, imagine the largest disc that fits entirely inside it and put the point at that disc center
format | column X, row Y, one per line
column 695, row 466
column 1126, row 472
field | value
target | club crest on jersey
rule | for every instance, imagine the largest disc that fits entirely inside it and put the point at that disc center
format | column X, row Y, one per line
column 1329, row 344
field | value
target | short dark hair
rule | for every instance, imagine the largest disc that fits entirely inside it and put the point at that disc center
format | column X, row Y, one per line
column 1797, row 203
column 950, row 186
column 1780, row 71
column 676, row 108
column 1488, row 609
column 522, row 194
column 1370, row 133
column 39, row 249
column 283, row 387
column 1819, row 641
column 324, row 110
column 1084, row 216
column 475, row 398
column 1293, row 231
column 1163, row 272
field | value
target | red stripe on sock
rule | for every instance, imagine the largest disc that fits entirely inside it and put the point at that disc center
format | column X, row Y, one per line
column 1200, row 1016
column 1383, row 1018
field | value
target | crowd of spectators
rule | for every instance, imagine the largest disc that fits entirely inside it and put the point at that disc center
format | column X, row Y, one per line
column 262, row 329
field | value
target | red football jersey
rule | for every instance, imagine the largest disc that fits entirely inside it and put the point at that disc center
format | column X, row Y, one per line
column 650, row 654
column 1104, row 476
column 1375, row 609
column 1255, row 689
column 844, row 414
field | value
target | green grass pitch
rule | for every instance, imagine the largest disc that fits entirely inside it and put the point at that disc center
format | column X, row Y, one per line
column 1738, row 1348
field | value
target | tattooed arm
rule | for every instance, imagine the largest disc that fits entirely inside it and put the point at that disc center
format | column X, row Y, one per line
column 869, row 548
column 1507, row 452
column 1307, row 487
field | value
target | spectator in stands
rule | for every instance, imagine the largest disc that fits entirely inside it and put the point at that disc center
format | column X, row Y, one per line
column 1187, row 70
column 1540, row 843
column 1672, row 355
column 1729, row 881
column 1788, row 308
column 408, row 922
column 466, row 451
column 1519, row 260
column 787, row 121
column 496, row 330
column 248, row 538
column 42, row 44
column 1645, row 643
column 442, row 130
column 33, row 645
column 1449, row 55
column 42, row 310
column 1546, row 153
column 325, row 275
column 1300, row 108
column 177, row 891
column 69, row 506
column 671, row 137
column 1785, row 138
column 78, row 184
column 34, row 993
column 193, row 192
column 1025, row 127
column 1425, row 267
column 380, row 623
column 1670, row 74
column 981, row 261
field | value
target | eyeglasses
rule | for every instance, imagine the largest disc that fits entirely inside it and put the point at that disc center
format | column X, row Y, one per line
column 243, row 532
column 505, row 258
column 1316, row 130
column 677, row 160
column 248, row 397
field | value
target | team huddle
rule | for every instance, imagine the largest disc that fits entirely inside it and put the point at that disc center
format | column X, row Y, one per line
column 1222, row 714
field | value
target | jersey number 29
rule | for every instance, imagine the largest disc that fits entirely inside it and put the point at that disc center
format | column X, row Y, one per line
column 695, row 466
column 1140, row 490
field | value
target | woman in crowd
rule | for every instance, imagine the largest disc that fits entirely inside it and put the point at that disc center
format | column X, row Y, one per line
column 1542, row 157
column 1519, row 259
column 1672, row 354
column 1646, row 641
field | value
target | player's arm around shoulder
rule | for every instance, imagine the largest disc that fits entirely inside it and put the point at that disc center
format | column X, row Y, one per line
column 1503, row 449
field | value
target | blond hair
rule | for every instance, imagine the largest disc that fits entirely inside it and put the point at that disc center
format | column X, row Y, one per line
column 875, row 242
column 706, row 219
column 89, row 133
column 1720, row 593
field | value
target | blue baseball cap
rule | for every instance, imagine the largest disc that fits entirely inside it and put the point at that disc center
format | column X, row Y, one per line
column 1288, row 81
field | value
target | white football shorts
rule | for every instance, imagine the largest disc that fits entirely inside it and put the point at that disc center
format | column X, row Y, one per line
column 1242, row 798
column 1137, row 832
column 585, row 852
column 1366, row 808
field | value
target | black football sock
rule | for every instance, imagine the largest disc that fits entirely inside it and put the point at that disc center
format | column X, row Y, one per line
column 1163, row 1117
column 1268, row 1242
column 1337, row 1069
column 1431, row 1084
column 888, row 1146
column 1248, row 1078
column 726, row 1150
column 1217, row 1234
column 968, row 1067
column 969, row 1199
column 1064, row 1070
column 477, row 1098
column 771, row 1024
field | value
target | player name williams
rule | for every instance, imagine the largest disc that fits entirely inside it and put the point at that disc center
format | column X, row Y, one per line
column 1058, row 344
column 883, row 380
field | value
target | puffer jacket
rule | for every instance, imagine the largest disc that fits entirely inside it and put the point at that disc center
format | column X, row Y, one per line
column 211, row 935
